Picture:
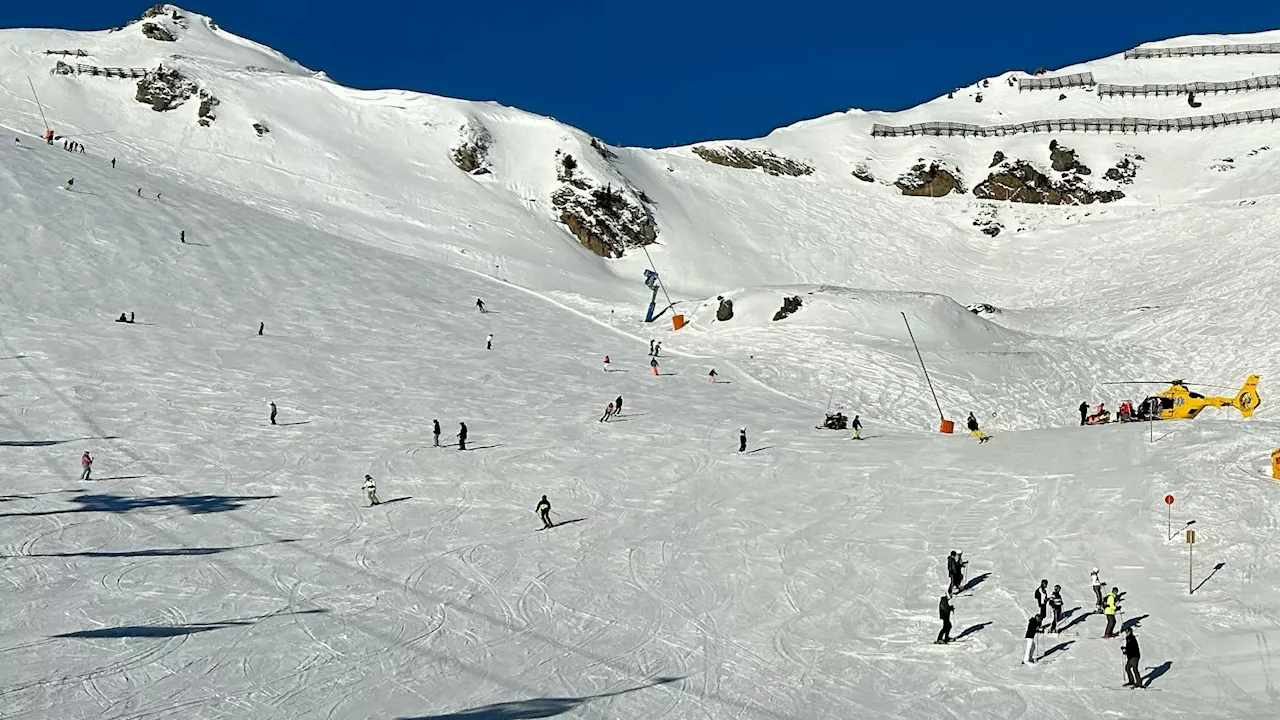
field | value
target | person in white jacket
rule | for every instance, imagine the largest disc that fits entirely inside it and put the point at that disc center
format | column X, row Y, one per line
column 371, row 489
column 1033, row 627
column 1097, row 588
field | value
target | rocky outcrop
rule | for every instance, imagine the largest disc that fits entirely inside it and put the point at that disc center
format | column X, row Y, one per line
column 996, row 159
column 1020, row 182
column 158, row 32
column 930, row 180
column 604, row 151
column 63, row 69
column 607, row 220
column 987, row 221
column 724, row 313
column 984, row 309
column 750, row 159
column 261, row 128
column 155, row 11
column 1063, row 159
column 471, row 152
column 863, row 173
column 165, row 89
column 208, row 103
column 1124, row 171
column 790, row 306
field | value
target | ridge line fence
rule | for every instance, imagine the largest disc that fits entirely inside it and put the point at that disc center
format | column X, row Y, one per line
column 71, row 53
column 1055, row 83
column 1190, row 50
column 112, row 72
column 1123, row 125
column 1262, row 82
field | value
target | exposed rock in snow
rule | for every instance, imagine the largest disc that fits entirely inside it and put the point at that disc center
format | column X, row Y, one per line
column 1124, row 171
column 206, row 114
column 604, row 151
column 863, row 172
column 1020, row 182
column 751, row 158
column 261, row 128
column 606, row 220
column 790, row 305
column 930, row 180
column 996, row 159
column 1063, row 159
column 471, row 151
column 165, row 89
column 158, row 32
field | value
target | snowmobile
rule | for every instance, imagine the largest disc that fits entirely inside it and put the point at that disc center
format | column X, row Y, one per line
column 838, row 421
column 1179, row 402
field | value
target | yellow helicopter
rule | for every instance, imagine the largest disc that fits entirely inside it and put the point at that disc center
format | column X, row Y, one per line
column 1180, row 403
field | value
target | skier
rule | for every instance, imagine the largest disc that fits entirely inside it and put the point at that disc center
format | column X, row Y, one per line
column 82, row 150
column 1097, row 589
column 657, row 349
column 972, row 424
column 544, row 509
column 462, row 436
column 742, row 440
column 157, row 197
column 606, row 363
column 1042, row 598
column 261, row 326
column 944, row 611
column 113, row 163
column 951, row 572
column 130, row 317
column 957, row 572
column 1132, row 655
column 182, row 237
column 371, row 489
column 653, row 365
column 273, row 413
column 617, row 406
column 488, row 343
column 139, row 192
column 651, row 341
column 1055, row 604
column 480, row 304
column 857, row 428
column 435, row 433
column 711, row 376
column 1033, row 627
column 1084, row 412
column 86, row 465
column 1109, row 610
column 608, row 413
column 67, row 185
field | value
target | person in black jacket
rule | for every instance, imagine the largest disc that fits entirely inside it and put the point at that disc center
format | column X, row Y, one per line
column 742, row 440
column 1131, row 657
column 972, row 425
column 944, row 611
column 951, row 572
column 1033, row 627
column 544, row 509
column 1055, row 604
column 462, row 436
column 435, row 433
column 1084, row 412
column 1042, row 599
column 617, row 406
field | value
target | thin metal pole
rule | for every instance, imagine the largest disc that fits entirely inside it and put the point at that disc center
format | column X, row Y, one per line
column 661, row 284
column 922, row 367
column 1191, row 552
column 38, row 105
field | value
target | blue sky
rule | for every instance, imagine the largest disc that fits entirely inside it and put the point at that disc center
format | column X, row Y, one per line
column 661, row 72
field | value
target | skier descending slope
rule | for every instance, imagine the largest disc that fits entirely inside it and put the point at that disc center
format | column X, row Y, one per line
column 711, row 376
column 273, row 413
column 653, row 365
column 544, row 509
column 857, row 428
column 617, row 406
column 608, row 413
column 972, row 424
column 606, row 363
column 742, row 440
column 1132, row 656
column 371, row 489
column 462, row 436
column 86, row 465
column 480, row 304
column 1109, row 609
column 944, row 611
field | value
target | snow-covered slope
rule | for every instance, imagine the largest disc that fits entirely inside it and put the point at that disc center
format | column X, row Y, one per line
column 216, row 566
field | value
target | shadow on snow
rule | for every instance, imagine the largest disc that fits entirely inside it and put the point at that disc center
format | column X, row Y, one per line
column 535, row 707
column 155, row 552
column 166, row 631
column 110, row 503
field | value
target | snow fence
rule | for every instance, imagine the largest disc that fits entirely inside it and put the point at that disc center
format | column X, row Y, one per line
column 1099, row 125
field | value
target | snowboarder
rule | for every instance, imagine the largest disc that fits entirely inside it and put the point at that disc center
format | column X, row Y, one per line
column 608, row 413
column 653, row 365
column 944, row 611
column 857, row 428
column 1042, row 598
column 1132, row 655
column 1084, row 412
column 1033, row 627
column 1055, row 604
column 488, row 343
column 617, row 406
column 606, row 363
column 1097, row 589
column 113, row 163
column 462, row 436
column 182, row 237
column 273, row 413
column 371, row 489
column 86, row 465
column 711, row 376
column 67, row 185
column 261, row 326
column 742, row 440
column 1109, row 610
column 972, row 424
column 480, row 304
column 544, row 509
column 435, row 433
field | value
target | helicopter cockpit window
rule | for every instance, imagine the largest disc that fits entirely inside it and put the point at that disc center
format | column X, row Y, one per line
column 1197, row 396
column 1166, row 403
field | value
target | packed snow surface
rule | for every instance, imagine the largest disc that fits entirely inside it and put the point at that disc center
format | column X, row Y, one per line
column 217, row 566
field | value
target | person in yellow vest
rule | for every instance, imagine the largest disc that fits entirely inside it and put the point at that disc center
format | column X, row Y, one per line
column 1109, row 609
column 544, row 509
column 972, row 424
